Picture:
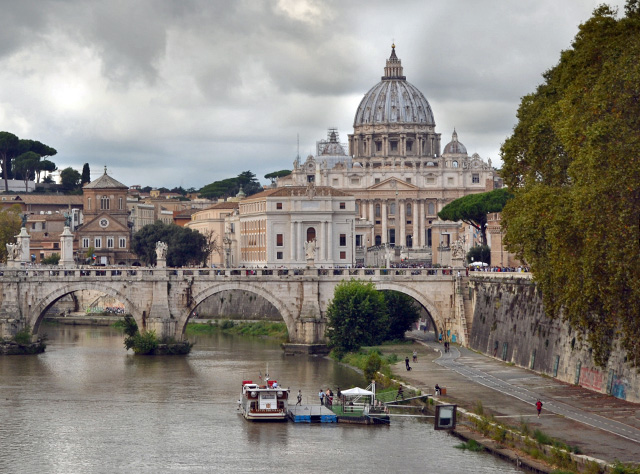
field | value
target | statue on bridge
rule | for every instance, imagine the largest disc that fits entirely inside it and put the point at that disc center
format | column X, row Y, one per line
column 457, row 249
column 161, row 250
column 310, row 249
column 14, row 251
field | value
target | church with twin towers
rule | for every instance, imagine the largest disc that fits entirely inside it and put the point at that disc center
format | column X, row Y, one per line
column 396, row 169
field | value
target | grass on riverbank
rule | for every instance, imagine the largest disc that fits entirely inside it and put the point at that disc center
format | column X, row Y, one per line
column 266, row 329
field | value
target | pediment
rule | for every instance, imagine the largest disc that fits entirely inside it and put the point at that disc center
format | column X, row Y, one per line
column 104, row 223
column 394, row 184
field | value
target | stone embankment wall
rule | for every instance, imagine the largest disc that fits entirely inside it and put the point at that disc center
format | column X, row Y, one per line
column 509, row 323
column 239, row 305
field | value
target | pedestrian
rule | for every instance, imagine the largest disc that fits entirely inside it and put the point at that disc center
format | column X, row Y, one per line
column 406, row 363
column 539, row 407
column 440, row 337
column 299, row 398
column 400, row 393
column 321, row 397
column 437, row 389
column 415, row 356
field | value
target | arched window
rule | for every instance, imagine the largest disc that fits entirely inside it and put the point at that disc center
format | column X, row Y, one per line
column 378, row 240
column 311, row 234
column 454, row 164
column 392, row 209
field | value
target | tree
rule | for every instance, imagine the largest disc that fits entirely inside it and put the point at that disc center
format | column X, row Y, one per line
column 185, row 246
column 277, row 174
column 70, row 179
column 479, row 253
column 52, row 259
column 213, row 245
column 10, row 223
column 45, row 166
column 473, row 209
column 357, row 316
column 9, row 148
column 25, row 166
column 573, row 163
column 231, row 186
column 86, row 174
column 402, row 313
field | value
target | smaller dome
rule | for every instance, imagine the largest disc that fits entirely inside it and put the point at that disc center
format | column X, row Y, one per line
column 454, row 146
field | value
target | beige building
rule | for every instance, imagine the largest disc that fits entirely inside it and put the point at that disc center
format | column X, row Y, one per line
column 395, row 169
column 211, row 222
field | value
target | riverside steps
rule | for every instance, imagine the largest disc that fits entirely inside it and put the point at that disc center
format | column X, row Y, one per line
column 605, row 429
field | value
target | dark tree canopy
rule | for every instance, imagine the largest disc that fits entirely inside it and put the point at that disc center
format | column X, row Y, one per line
column 277, row 174
column 86, row 174
column 231, row 186
column 70, row 179
column 402, row 312
column 11, row 147
column 573, row 163
column 357, row 316
column 185, row 246
column 473, row 209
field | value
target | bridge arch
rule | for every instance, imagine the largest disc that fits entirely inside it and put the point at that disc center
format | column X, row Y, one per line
column 236, row 285
column 38, row 311
column 416, row 295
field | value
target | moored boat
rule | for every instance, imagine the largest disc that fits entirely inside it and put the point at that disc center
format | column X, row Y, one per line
column 267, row 402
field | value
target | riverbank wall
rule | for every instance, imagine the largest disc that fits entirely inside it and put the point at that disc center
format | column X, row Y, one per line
column 509, row 323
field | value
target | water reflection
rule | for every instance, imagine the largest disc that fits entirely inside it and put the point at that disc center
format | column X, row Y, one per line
column 86, row 405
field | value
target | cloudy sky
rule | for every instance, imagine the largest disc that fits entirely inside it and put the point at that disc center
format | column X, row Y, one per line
column 187, row 92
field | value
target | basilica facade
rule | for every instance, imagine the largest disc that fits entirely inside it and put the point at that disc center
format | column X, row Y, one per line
column 394, row 167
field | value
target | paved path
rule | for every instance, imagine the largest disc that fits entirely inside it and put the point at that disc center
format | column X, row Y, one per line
column 600, row 425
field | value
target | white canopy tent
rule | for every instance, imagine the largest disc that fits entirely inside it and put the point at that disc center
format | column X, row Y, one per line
column 356, row 391
column 478, row 264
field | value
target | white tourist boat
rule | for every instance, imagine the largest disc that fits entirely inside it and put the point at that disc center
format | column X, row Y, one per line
column 267, row 402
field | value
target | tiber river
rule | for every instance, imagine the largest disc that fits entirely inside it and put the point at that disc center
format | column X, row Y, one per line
column 88, row 406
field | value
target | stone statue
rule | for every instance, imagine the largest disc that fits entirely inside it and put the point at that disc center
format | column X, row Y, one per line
column 457, row 249
column 10, row 248
column 25, row 216
column 310, row 249
column 161, row 250
column 67, row 219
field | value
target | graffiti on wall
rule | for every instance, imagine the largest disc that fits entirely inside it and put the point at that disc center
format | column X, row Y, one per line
column 619, row 387
column 591, row 379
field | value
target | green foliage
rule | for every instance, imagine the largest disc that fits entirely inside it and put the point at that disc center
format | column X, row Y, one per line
column 479, row 253
column 573, row 163
column 231, row 186
column 129, row 326
column 357, row 316
column 86, row 174
column 30, row 151
column 402, row 312
column 473, row 209
column 265, row 329
column 185, row 246
column 373, row 364
column 10, row 222
column 620, row 468
column 277, row 174
column 143, row 343
column 52, row 259
column 471, row 445
column 70, row 179
column 23, row 336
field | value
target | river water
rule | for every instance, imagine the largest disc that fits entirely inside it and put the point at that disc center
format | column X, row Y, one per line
column 88, row 406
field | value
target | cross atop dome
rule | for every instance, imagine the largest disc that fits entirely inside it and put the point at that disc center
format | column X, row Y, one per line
column 393, row 69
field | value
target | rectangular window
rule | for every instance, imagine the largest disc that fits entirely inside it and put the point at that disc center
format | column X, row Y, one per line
column 343, row 255
column 431, row 180
column 88, row 203
column 279, row 240
column 355, row 181
column 104, row 203
column 278, row 205
column 85, row 243
column 120, row 203
column 343, row 205
column 335, row 181
column 408, row 180
column 394, row 146
column 409, row 145
column 378, row 146
column 98, row 242
column 450, row 181
column 123, row 242
column 279, row 255
column 311, row 178
column 376, row 180
column 109, row 242
column 475, row 178
column 343, row 240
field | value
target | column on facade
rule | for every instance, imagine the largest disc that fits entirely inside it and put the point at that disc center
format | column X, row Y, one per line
column 422, row 226
column 323, row 241
column 415, row 218
column 292, row 241
column 329, row 241
column 300, row 254
column 403, row 222
column 372, row 218
column 383, row 211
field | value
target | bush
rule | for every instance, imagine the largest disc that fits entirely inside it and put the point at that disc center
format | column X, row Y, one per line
column 373, row 364
column 23, row 336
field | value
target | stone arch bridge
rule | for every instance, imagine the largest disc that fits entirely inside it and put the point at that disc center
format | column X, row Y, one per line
column 163, row 299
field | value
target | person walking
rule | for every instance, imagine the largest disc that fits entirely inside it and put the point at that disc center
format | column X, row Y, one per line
column 415, row 356
column 299, row 398
column 406, row 363
column 321, row 397
column 539, row 407
column 400, row 392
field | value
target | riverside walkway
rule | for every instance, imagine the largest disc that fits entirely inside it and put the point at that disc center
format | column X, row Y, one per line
column 602, row 426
